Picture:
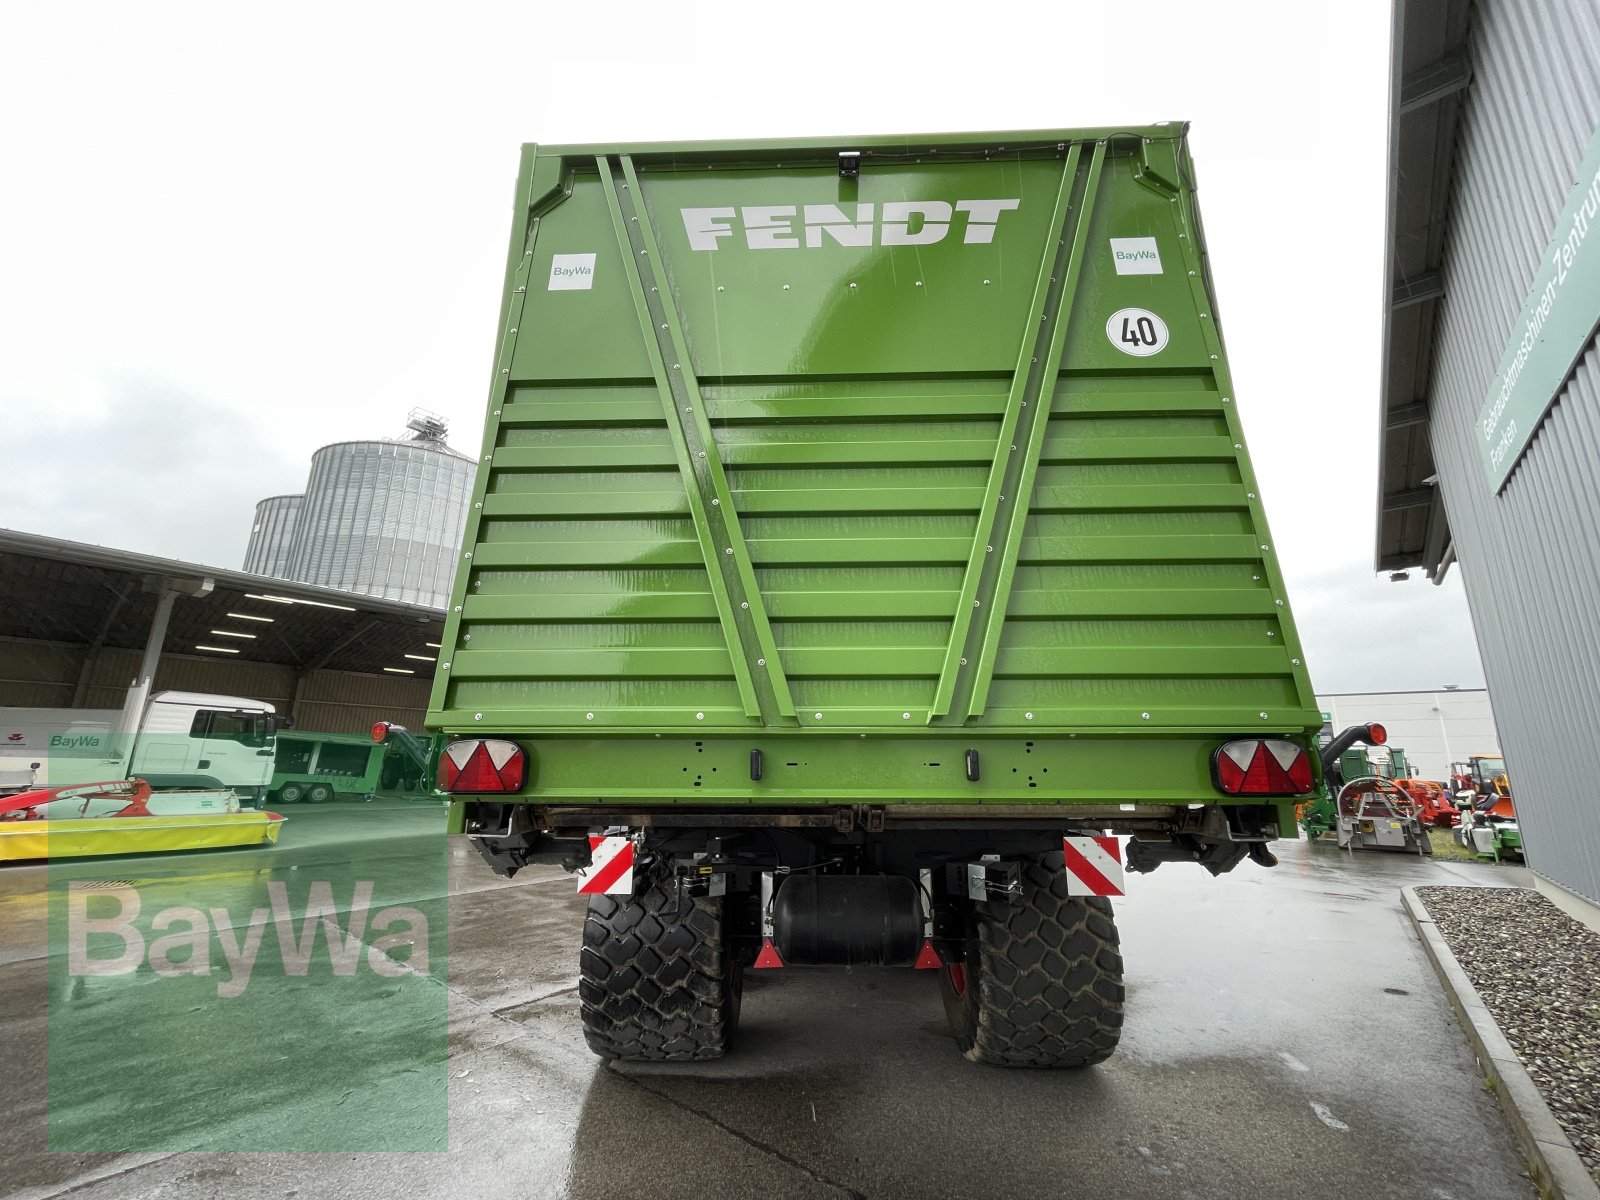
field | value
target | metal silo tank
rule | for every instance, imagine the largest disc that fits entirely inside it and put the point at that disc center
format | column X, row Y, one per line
column 272, row 536
column 384, row 518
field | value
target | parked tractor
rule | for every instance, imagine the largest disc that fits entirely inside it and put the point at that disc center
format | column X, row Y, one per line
column 1484, row 776
column 1488, row 825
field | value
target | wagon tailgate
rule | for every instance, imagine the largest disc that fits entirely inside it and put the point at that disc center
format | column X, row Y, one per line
column 749, row 466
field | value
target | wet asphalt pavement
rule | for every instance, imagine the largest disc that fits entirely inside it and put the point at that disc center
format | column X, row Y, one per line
column 1284, row 1037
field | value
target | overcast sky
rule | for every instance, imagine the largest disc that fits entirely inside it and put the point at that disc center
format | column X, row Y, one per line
column 226, row 239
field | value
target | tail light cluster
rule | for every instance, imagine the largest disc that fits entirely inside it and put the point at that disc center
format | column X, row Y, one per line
column 483, row 765
column 1262, row 767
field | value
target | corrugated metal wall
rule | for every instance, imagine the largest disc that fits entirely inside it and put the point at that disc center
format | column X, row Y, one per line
column 383, row 519
column 38, row 674
column 272, row 536
column 44, row 675
column 1530, row 558
column 342, row 702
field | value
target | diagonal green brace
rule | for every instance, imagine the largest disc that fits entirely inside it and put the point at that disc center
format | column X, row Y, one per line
column 745, row 625
column 1022, row 486
column 1026, row 384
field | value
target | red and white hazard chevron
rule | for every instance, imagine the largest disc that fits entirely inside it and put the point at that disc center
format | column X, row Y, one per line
column 610, row 869
column 1094, row 866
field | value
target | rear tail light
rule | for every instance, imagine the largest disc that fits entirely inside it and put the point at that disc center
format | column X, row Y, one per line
column 380, row 732
column 1377, row 735
column 483, row 765
column 1262, row 767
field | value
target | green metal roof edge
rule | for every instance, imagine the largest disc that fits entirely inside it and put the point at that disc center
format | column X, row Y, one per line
column 903, row 143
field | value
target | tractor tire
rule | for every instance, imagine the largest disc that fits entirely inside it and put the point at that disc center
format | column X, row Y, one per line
column 319, row 793
column 656, row 980
column 292, row 793
column 1041, row 982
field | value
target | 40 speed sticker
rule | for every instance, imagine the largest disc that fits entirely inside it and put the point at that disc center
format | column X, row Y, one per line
column 1137, row 331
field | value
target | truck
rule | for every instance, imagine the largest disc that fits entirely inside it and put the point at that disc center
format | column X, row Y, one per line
column 188, row 741
column 865, row 567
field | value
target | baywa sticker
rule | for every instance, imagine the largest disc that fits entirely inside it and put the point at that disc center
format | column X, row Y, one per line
column 1136, row 256
column 1137, row 331
column 571, row 272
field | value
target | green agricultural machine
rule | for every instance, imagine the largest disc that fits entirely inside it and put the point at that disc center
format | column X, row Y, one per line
column 1360, row 802
column 315, row 768
column 411, row 761
column 1351, row 761
column 866, row 567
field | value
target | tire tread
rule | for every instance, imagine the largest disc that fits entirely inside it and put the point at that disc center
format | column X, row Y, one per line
column 1049, row 990
column 655, row 982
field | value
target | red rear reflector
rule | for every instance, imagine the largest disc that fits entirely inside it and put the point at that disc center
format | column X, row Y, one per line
column 1377, row 734
column 482, row 765
column 380, row 731
column 1262, row 767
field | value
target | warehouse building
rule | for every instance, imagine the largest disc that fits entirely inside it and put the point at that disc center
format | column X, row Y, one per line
column 92, row 627
column 1435, row 729
column 1490, row 421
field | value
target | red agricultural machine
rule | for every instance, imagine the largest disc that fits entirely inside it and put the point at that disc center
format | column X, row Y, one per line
column 1434, row 804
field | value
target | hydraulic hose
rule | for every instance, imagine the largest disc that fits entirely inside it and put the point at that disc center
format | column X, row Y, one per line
column 1372, row 735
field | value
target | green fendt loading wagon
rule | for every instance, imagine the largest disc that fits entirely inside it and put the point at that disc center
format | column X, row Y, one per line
column 864, row 559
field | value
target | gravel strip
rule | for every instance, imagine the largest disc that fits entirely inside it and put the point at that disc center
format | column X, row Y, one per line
column 1538, row 972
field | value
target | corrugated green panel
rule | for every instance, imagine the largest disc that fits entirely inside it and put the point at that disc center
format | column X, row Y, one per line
column 631, row 502
column 890, row 450
column 582, row 454
column 592, row 663
column 656, row 551
column 798, row 501
column 910, row 420
column 591, row 606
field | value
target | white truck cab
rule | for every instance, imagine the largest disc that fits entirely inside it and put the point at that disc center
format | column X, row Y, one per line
column 189, row 739
column 184, row 740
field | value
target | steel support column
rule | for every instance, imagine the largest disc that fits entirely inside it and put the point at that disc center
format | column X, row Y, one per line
column 167, row 590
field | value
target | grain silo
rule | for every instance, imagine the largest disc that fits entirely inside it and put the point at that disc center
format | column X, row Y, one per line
column 272, row 536
column 385, row 517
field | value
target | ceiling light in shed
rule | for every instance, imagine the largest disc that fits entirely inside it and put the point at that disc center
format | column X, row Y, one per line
column 252, row 617
column 400, row 670
column 295, row 600
column 423, row 657
column 231, row 633
column 218, row 649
